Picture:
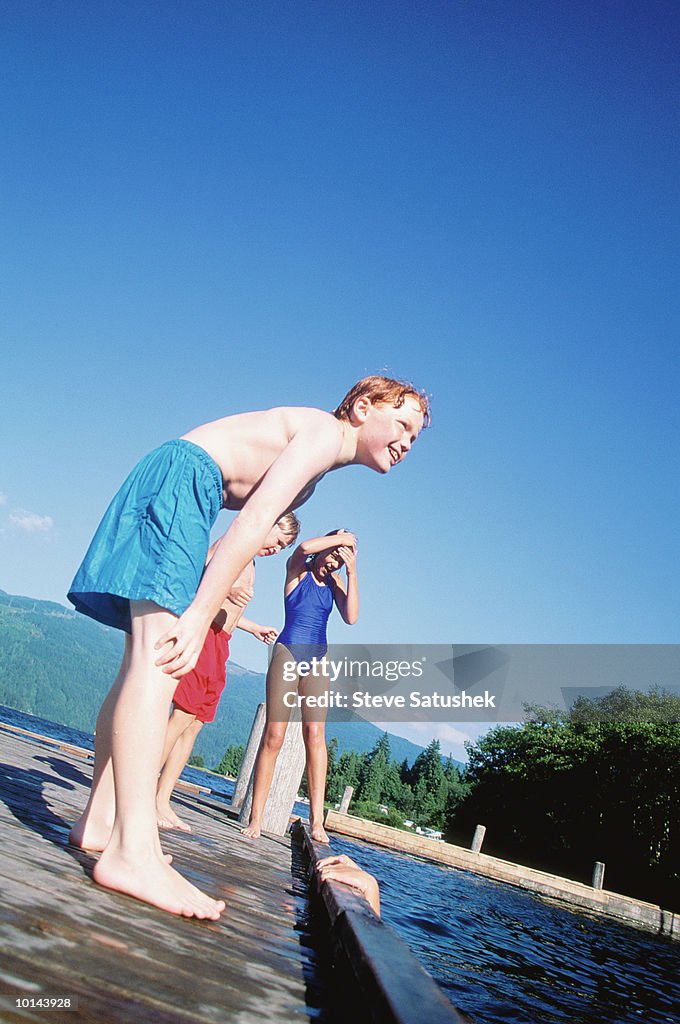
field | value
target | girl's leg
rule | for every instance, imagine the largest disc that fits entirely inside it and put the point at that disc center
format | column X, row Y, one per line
column 92, row 831
column 272, row 739
column 270, row 745
column 183, row 728
column 132, row 862
column 314, row 736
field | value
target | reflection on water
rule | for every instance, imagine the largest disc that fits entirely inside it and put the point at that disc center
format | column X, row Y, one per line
column 504, row 955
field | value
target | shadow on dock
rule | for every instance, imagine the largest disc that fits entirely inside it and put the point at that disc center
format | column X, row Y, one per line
column 117, row 959
column 274, row 955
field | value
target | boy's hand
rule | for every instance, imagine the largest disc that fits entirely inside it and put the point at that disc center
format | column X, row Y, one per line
column 240, row 594
column 344, row 869
column 181, row 645
column 341, row 858
column 267, row 634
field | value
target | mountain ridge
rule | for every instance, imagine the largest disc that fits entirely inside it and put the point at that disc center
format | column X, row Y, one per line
column 59, row 665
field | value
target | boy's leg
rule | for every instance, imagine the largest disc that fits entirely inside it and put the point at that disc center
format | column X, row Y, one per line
column 272, row 740
column 93, row 829
column 184, row 731
column 132, row 862
column 179, row 721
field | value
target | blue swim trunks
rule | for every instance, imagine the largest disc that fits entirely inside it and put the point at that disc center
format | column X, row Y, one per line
column 152, row 543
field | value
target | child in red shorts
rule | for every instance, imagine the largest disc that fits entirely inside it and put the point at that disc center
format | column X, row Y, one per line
column 198, row 693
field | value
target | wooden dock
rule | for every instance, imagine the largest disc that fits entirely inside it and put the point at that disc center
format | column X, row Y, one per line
column 62, row 936
column 272, row 956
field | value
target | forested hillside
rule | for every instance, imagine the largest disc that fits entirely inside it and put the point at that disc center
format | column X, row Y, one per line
column 58, row 665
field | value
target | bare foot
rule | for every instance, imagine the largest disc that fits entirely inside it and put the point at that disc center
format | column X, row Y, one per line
column 90, row 834
column 153, row 881
column 252, row 831
column 318, row 833
column 167, row 818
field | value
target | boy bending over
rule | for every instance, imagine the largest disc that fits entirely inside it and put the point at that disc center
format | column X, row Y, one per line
column 143, row 573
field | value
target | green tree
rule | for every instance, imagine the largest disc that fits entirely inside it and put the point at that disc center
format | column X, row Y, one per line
column 333, row 793
column 231, row 760
column 347, row 771
column 373, row 772
column 601, row 782
column 656, row 706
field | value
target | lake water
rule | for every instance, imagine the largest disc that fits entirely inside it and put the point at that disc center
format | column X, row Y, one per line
column 500, row 954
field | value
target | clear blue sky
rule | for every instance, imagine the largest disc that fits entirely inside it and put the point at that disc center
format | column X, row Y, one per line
column 211, row 207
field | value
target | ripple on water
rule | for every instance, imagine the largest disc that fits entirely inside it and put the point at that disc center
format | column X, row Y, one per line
column 505, row 955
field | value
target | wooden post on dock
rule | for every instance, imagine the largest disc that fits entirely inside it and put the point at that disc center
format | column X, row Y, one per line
column 598, row 875
column 248, row 762
column 286, row 782
column 478, row 838
column 346, row 797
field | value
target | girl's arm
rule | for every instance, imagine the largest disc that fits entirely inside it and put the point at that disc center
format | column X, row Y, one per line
column 347, row 600
column 297, row 563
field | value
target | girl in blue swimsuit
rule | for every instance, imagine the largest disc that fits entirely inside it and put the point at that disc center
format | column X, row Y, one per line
column 313, row 585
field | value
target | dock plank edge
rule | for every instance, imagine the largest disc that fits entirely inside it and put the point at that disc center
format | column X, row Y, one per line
column 390, row 984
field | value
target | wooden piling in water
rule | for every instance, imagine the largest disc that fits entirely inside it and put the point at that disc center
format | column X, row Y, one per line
column 248, row 762
column 287, row 775
column 346, row 798
column 598, row 875
column 478, row 838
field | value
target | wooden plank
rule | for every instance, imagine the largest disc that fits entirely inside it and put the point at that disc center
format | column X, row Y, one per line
column 390, row 986
column 61, row 934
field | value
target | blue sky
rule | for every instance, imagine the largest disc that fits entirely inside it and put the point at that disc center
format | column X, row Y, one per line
column 210, row 207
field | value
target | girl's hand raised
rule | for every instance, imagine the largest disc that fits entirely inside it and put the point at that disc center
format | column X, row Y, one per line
column 349, row 557
column 348, row 539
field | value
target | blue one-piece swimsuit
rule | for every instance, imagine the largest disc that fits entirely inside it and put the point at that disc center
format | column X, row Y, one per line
column 308, row 608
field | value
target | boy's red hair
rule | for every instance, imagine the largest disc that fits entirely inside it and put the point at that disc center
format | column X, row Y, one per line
column 384, row 391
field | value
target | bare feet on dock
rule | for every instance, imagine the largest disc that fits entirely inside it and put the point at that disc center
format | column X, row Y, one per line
column 90, row 834
column 252, row 831
column 318, row 834
column 167, row 818
column 87, row 837
column 153, row 881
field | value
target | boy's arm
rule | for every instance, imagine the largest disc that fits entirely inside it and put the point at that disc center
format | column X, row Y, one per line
column 344, row 869
column 347, row 600
column 238, row 598
column 267, row 634
column 312, row 451
column 241, row 591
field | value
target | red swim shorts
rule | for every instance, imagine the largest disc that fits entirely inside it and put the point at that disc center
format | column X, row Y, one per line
column 199, row 691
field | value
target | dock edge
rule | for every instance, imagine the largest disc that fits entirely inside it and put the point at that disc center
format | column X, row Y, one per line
column 392, row 986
